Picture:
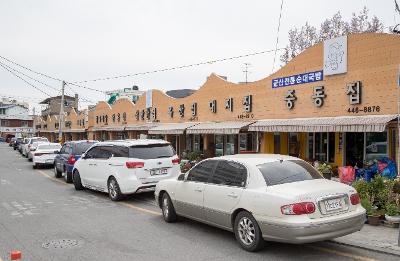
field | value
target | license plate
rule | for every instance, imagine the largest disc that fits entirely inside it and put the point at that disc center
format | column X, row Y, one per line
column 159, row 171
column 49, row 161
column 333, row 204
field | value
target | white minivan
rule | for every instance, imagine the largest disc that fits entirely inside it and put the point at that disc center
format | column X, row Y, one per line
column 125, row 167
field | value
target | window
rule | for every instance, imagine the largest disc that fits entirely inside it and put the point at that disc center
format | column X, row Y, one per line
column 119, row 151
column 229, row 173
column 230, row 146
column 6, row 123
column 68, row 150
column 281, row 172
column 81, row 147
column 248, row 142
column 97, row 119
column 294, row 144
column 202, row 171
column 277, row 143
column 376, row 145
column 321, row 146
column 62, row 151
column 219, row 145
column 151, row 151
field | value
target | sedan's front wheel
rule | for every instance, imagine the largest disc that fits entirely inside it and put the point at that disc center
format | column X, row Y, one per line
column 247, row 232
column 168, row 209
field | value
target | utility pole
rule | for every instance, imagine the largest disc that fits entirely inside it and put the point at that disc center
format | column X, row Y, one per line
column 246, row 71
column 61, row 118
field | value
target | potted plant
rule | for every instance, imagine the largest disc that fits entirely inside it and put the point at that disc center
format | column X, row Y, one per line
column 372, row 212
column 325, row 169
column 392, row 213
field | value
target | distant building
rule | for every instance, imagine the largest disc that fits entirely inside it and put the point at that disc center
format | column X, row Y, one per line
column 53, row 105
column 132, row 93
column 15, row 120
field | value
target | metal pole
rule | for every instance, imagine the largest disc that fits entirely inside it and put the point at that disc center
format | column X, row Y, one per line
column 61, row 118
column 398, row 134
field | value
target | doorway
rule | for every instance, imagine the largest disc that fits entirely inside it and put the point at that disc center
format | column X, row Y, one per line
column 354, row 149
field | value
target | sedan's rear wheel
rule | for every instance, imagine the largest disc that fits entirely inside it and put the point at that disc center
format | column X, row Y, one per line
column 77, row 181
column 113, row 190
column 67, row 176
column 57, row 173
column 168, row 209
column 247, row 232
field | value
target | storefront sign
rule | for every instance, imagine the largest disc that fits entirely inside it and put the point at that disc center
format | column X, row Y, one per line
column 335, row 56
column 290, row 97
column 244, row 116
column 142, row 114
column 171, row 111
column 318, row 95
column 298, row 79
column 229, row 104
column 137, row 116
column 213, row 106
column 247, row 100
column 194, row 109
column 182, row 110
column 153, row 114
column 354, row 92
column 368, row 109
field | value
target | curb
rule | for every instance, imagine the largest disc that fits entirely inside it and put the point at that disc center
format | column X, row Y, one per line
column 367, row 247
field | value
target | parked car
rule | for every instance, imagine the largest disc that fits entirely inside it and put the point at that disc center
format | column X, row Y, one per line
column 261, row 196
column 17, row 142
column 28, row 144
column 44, row 154
column 70, row 152
column 33, row 148
column 125, row 167
column 21, row 144
column 2, row 139
column 11, row 143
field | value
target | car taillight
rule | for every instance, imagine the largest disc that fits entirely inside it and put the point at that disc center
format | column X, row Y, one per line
column 133, row 165
column 355, row 199
column 176, row 161
column 71, row 159
column 298, row 208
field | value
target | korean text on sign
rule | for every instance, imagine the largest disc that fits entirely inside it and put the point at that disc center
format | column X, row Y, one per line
column 298, row 79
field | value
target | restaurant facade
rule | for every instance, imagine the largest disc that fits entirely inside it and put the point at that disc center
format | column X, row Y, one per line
column 335, row 102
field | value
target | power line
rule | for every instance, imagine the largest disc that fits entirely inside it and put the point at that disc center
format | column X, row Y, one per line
column 25, row 81
column 26, row 68
column 277, row 36
column 36, row 80
column 180, row 67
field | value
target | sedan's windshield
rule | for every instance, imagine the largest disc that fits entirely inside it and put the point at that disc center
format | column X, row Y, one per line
column 151, row 151
column 82, row 147
column 287, row 171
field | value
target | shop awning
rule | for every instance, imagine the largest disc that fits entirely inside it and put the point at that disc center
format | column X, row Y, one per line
column 109, row 128
column 366, row 123
column 171, row 128
column 139, row 127
column 224, row 127
column 74, row 130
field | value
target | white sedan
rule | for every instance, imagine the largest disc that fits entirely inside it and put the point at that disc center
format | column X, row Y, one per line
column 260, row 196
column 44, row 153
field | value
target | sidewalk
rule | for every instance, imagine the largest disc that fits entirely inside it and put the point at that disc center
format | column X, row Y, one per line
column 379, row 238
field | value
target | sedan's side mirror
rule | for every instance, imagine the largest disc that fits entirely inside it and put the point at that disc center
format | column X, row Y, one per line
column 83, row 156
column 181, row 177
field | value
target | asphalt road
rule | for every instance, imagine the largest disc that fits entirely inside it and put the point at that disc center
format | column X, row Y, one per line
column 47, row 219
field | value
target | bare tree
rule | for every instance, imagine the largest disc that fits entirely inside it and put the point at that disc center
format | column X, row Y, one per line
column 307, row 35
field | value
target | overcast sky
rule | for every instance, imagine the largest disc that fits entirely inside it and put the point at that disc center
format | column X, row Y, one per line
column 81, row 40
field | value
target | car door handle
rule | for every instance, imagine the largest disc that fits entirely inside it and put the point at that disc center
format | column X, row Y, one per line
column 198, row 189
column 232, row 195
column 110, row 164
column 92, row 164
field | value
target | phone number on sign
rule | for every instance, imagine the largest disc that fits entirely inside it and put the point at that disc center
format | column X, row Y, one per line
column 364, row 109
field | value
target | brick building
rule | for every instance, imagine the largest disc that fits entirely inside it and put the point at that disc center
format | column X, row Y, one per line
column 335, row 102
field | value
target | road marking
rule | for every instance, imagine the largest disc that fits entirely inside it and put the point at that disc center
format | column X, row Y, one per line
column 140, row 209
column 50, row 177
column 340, row 253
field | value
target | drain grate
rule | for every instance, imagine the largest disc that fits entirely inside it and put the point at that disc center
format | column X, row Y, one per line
column 61, row 243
